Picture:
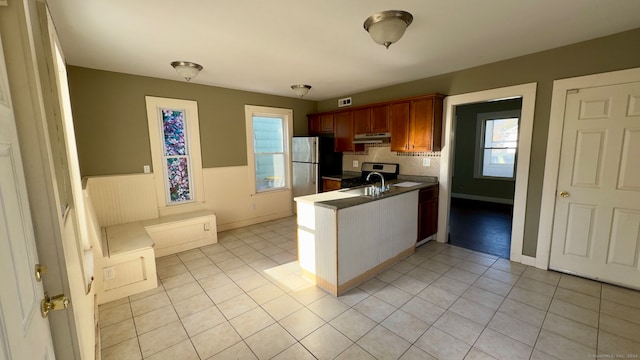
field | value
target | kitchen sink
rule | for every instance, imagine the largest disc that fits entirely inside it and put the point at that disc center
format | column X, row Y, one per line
column 369, row 190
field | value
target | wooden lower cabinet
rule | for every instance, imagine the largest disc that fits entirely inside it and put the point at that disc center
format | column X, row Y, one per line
column 427, row 212
column 330, row 185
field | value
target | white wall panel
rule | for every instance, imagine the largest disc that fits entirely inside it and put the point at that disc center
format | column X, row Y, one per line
column 376, row 232
column 227, row 194
column 121, row 199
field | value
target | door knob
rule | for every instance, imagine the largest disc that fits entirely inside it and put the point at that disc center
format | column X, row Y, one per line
column 564, row 194
column 58, row 302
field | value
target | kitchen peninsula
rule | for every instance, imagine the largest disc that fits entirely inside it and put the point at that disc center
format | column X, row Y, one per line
column 346, row 237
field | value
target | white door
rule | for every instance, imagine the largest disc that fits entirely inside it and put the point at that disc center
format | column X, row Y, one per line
column 24, row 333
column 596, row 231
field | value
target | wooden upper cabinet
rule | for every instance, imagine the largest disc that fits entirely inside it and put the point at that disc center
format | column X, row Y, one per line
column 399, row 118
column 362, row 121
column 416, row 125
column 320, row 124
column 326, row 123
column 421, row 125
column 344, row 132
column 373, row 119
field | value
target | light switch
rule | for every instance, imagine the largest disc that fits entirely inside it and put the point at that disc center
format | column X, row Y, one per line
column 426, row 161
column 355, row 163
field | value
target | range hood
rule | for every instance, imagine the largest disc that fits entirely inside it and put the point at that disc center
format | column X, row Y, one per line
column 376, row 138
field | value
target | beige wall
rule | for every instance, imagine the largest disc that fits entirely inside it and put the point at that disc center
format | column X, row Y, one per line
column 111, row 121
column 615, row 52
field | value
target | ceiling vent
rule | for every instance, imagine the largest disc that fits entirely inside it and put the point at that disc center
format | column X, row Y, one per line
column 344, row 102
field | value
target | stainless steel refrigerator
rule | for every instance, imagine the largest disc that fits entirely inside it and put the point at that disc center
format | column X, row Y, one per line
column 313, row 157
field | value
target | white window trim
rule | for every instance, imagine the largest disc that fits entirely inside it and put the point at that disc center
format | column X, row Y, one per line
column 287, row 114
column 154, row 104
column 479, row 148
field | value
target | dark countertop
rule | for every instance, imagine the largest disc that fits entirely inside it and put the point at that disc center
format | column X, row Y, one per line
column 344, row 202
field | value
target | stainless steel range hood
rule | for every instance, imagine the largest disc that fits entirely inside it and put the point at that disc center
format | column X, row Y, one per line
column 377, row 138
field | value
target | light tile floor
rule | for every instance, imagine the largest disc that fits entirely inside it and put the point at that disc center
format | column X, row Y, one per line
column 244, row 298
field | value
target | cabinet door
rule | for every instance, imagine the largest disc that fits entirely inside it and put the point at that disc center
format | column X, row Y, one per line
column 314, row 124
column 399, row 118
column 428, row 212
column 421, row 125
column 330, row 185
column 344, row 131
column 379, row 119
column 362, row 121
column 326, row 123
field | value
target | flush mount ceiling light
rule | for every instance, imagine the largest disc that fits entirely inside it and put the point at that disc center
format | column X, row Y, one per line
column 301, row 90
column 187, row 69
column 387, row 27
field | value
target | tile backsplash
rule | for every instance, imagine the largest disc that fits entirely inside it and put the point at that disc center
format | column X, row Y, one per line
column 410, row 163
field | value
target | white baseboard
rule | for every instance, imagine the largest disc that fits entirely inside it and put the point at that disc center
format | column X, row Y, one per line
column 482, row 198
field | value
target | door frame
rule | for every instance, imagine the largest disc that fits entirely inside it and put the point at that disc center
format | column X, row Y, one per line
column 528, row 93
column 29, row 84
column 554, row 143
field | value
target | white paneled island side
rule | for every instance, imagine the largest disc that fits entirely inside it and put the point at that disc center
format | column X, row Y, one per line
column 345, row 239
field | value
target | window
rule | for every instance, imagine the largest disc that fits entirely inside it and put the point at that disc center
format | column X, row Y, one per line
column 268, row 140
column 175, row 156
column 175, row 150
column 498, row 143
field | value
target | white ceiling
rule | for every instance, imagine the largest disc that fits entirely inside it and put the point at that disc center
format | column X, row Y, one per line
column 267, row 45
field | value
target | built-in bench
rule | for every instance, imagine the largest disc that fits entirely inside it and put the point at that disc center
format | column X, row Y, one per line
column 124, row 254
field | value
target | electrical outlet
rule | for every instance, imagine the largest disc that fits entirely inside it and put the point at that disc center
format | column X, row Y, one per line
column 355, row 163
column 426, row 161
column 109, row 273
column 147, row 169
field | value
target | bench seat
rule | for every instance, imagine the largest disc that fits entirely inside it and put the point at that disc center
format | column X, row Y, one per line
column 124, row 254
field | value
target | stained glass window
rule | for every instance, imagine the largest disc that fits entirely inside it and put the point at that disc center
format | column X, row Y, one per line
column 176, row 155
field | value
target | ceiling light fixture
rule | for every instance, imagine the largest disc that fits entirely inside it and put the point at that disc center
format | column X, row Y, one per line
column 187, row 69
column 301, row 90
column 387, row 27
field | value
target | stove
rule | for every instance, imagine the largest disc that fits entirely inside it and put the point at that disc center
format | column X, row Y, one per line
column 388, row 170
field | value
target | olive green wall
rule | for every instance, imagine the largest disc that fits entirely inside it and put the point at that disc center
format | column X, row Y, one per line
column 463, row 180
column 615, row 52
column 110, row 119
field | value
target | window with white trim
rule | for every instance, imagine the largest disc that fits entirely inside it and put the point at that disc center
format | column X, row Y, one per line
column 268, row 142
column 497, row 145
column 175, row 150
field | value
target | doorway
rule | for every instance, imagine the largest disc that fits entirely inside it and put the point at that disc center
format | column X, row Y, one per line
column 527, row 93
column 483, row 179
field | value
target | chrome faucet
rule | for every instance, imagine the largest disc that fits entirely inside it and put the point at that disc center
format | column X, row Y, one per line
column 381, row 178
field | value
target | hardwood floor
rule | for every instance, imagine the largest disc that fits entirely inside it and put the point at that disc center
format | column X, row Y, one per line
column 481, row 226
